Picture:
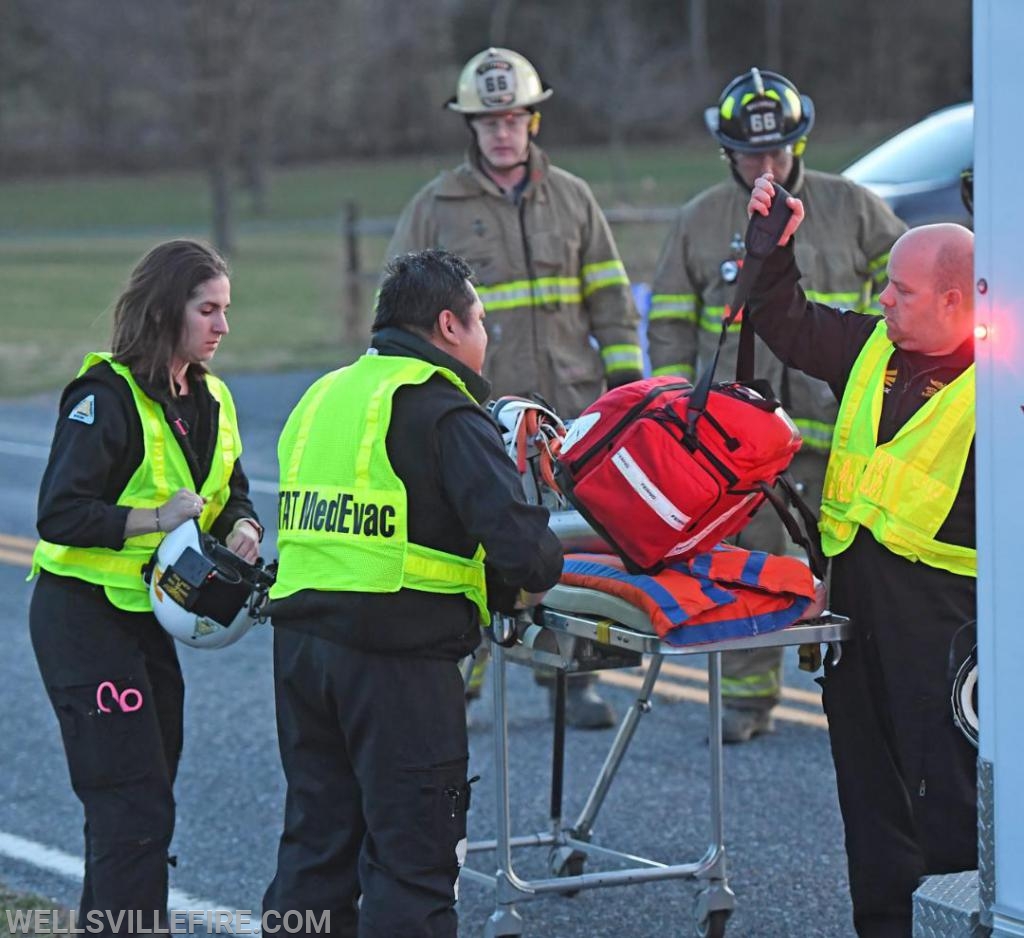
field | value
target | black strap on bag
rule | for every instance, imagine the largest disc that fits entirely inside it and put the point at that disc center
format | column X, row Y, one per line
column 763, row 233
column 805, row 535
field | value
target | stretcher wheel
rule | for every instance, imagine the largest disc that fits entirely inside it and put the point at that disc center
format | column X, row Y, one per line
column 714, row 925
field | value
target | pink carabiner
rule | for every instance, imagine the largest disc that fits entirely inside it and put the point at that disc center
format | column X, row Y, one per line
column 120, row 699
column 123, row 701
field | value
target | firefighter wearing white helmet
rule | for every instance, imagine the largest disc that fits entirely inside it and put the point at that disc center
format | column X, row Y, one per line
column 561, row 320
column 497, row 80
column 761, row 122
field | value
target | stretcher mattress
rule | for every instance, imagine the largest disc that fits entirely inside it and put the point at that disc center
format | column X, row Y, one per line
column 593, row 602
column 725, row 593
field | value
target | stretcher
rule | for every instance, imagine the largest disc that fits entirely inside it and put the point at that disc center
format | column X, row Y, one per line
column 610, row 633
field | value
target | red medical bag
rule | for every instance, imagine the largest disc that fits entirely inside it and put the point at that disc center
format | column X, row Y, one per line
column 659, row 478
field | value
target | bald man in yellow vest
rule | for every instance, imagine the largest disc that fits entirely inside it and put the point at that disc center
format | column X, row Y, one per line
column 898, row 519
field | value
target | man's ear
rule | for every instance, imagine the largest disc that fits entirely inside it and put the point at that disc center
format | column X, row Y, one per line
column 445, row 325
column 952, row 300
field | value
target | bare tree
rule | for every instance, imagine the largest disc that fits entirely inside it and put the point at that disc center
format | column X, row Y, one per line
column 248, row 58
column 699, row 44
column 618, row 74
column 501, row 11
column 402, row 68
column 773, row 35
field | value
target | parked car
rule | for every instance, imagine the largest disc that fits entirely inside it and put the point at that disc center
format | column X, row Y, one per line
column 917, row 172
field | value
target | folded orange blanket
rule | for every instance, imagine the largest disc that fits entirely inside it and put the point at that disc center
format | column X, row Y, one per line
column 725, row 593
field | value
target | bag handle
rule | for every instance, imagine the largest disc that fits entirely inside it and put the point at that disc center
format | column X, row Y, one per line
column 763, row 233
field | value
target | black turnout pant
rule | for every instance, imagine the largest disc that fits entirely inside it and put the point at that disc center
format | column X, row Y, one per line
column 122, row 764
column 375, row 754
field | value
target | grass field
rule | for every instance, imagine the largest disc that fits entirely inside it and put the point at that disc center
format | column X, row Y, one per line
column 66, row 246
column 11, row 903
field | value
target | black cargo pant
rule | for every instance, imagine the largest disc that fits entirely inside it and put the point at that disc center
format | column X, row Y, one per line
column 906, row 775
column 375, row 753
column 122, row 764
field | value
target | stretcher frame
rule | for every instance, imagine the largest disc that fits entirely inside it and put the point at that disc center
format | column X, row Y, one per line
column 569, row 642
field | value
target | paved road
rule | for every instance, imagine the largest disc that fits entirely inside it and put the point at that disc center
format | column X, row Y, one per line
column 783, row 829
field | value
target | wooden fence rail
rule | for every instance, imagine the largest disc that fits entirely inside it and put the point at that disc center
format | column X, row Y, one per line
column 354, row 227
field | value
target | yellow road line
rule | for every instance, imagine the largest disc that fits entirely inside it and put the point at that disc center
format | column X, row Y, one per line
column 11, row 540
column 699, row 674
column 16, row 558
column 697, row 695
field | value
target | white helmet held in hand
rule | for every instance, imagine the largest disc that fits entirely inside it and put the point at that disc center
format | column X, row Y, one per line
column 203, row 594
column 533, row 434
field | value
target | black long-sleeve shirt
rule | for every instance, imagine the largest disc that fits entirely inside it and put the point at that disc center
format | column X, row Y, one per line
column 90, row 463
column 462, row 490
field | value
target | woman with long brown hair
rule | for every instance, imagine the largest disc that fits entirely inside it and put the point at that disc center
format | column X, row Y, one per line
column 145, row 440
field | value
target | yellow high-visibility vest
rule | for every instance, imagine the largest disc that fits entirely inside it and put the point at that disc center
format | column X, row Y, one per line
column 342, row 510
column 161, row 473
column 902, row 490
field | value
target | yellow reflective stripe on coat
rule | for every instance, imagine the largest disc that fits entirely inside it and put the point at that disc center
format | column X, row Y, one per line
column 878, row 266
column 527, row 293
column 605, row 274
column 712, row 317
column 674, row 306
column 764, row 684
column 679, row 369
column 878, row 277
column 622, row 358
column 816, row 433
column 903, row 490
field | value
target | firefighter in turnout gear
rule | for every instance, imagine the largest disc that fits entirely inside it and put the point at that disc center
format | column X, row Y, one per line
column 561, row 320
column 761, row 122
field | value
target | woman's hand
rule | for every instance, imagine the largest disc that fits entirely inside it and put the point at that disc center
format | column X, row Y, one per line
column 244, row 540
column 182, row 506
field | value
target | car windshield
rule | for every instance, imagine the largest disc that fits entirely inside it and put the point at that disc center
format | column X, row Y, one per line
column 938, row 147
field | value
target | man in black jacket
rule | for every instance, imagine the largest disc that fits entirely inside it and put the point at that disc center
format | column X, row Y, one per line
column 898, row 519
column 371, row 718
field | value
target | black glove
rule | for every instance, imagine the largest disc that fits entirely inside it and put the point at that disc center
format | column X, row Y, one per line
column 618, row 378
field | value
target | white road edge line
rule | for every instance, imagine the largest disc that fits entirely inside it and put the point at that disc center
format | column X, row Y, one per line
column 36, row 451
column 264, row 486
column 13, row 448
column 70, row 867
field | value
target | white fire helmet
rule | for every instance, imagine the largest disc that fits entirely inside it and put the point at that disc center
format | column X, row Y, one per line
column 533, row 435
column 497, row 80
column 203, row 594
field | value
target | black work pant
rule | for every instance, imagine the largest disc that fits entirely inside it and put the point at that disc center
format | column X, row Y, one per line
column 375, row 753
column 909, row 810
column 122, row 764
